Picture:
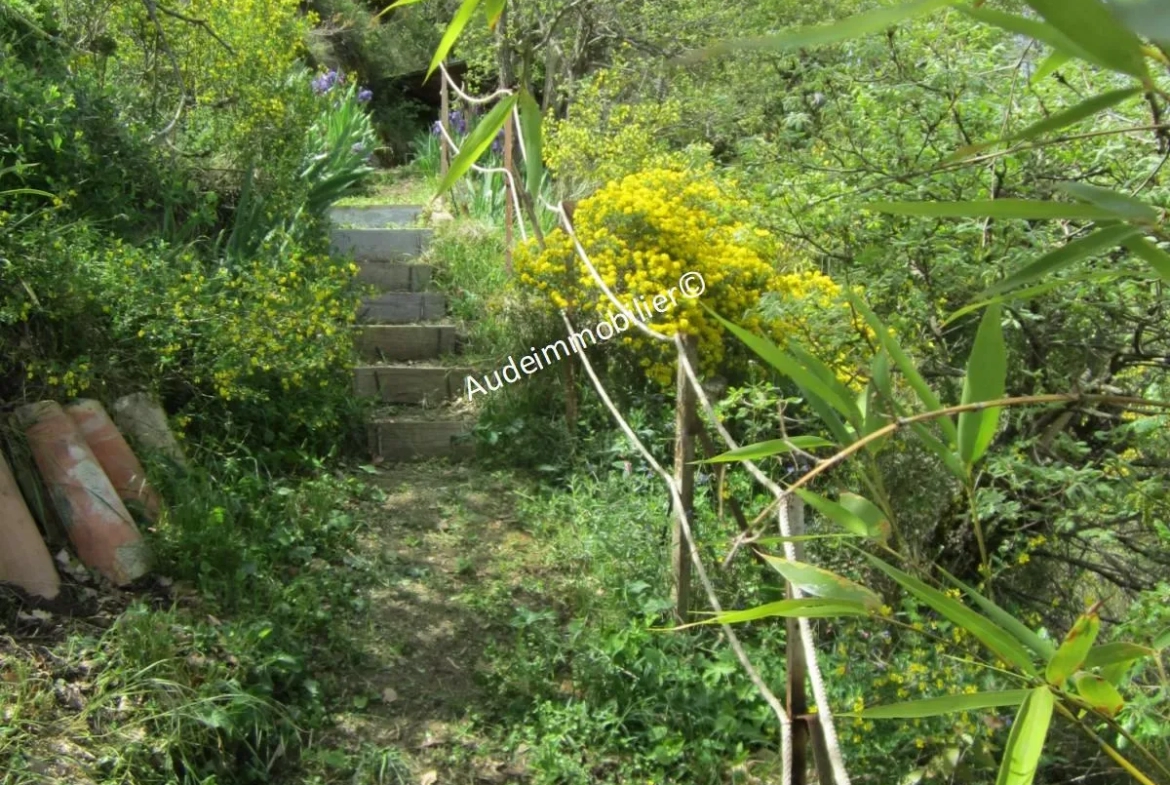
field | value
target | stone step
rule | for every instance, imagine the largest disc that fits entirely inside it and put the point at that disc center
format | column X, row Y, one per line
column 393, row 277
column 396, row 342
column 376, row 216
column 380, row 245
column 427, row 385
column 402, row 308
column 403, row 439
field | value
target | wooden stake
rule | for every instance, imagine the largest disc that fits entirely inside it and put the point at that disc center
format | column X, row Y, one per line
column 686, row 420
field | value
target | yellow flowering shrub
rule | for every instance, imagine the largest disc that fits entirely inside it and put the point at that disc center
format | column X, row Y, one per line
column 605, row 138
column 647, row 230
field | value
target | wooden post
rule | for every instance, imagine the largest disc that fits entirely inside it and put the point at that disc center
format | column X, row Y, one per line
column 797, row 666
column 509, row 215
column 685, row 423
column 444, row 115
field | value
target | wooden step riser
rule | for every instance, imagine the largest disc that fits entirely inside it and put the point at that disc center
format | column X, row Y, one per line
column 402, row 308
column 375, row 217
column 391, row 343
column 414, row 385
column 392, row 277
column 397, row 441
column 380, row 245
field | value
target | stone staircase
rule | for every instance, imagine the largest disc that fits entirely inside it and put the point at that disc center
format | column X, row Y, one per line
column 403, row 339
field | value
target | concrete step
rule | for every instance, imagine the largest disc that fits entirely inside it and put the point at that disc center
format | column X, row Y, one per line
column 402, row 308
column 380, row 245
column 396, row 342
column 394, row 277
column 380, row 216
column 427, row 385
column 399, row 439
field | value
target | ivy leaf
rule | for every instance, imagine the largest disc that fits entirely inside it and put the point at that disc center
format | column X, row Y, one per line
column 986, row 376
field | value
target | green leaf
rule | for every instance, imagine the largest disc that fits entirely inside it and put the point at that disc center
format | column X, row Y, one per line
column 1112, row 653
column 1147, row 18
column 1021, row 756
column 533, row 152
column 1091, row 26
column 835, row 512
column 802, row 608
column 905, row 365
column 392, row 6
column 1065, row 255
column 454, row 30
column 752, row 452
column 876, row 522
column 947, row 704
column 1099, row 693
column 1050, row 65
column 1151, row 254
column 1029, row 209
column 1024, row 634
column 1122, row 205
column 822, row 583
column 986, row 376
column 988, row 633
column 1030, row 28
column 1021, row 295
column 494, row 10
column 1071, row 655
column 786, row 364
column 829, row 378
column 478, row 141
column 1162, row 641
column 850, row 27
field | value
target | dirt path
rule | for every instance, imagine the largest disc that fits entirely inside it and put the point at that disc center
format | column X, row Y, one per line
column 453, row 560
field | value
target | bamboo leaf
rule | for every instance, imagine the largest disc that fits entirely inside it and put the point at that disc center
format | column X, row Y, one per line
column 451, row 35
column 1065, row 255
column 802, row 608
column 494, row 10
column 1021, row 756
column 1092, row 27
column 1030, row 28
column 1114, row 653
column 1024, row 634
column 1147, row 18
column 752, row 452
column 994, row 637
column 1099, row 693
column 822, row 583
column 1029, row 209
column 835, row 512
column 478, row 141
column 1122, row 205
column 877, row 523
column 392, row 6
column 850, row 27
column 986, row 376
column 1071, row 655
column 905, row 365
column 533, row 145
column 786, row 364
column 1021, row 295
column 1151, row 254
column 1050, row 65
column 947, row 704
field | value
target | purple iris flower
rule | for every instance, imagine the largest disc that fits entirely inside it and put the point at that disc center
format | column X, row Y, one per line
column 358, row 148
column 498, row 143
column 364, row 95
column 326, row 82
